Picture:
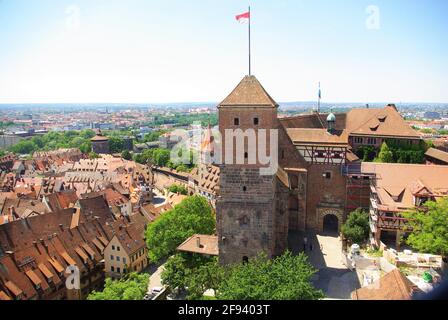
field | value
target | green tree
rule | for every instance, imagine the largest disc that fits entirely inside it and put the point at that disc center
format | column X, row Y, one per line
column 85, row 147
column 356, row 228
column 286, row 277
column 429, row 228
column 208, row 275
column 87, row 134
column 176, row 272
column 76, row 142
column 385, row 155
column 126, row 155
column 192, row 216
column 93, row 155
column 161, row 157
column 132, row 287
column 116, row 144
column 24, row 147
column 175, row 188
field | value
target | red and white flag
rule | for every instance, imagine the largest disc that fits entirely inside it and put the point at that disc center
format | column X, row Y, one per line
column 243, row 18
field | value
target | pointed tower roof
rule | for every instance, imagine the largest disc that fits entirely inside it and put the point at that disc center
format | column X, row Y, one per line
column 249, row 92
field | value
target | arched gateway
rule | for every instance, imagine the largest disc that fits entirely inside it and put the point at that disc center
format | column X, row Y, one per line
column 331, row 224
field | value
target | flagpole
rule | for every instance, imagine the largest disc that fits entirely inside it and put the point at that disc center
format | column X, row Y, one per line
column 250, row 64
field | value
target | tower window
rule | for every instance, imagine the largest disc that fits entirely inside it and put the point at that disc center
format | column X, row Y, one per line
column 327, row 175
column 256, row 121
column 236, row 121
column 246, row 155
column 244, row 188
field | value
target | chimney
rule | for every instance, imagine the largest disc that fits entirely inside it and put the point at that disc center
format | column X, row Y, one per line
column 198, row 242
column 13, row 213
column 36, row 246
column 12, row 255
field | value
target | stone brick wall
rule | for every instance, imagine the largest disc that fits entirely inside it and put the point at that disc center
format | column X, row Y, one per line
column 245, row 219
column 101, row 147
column 281, row 219
column 324, row 193
column 267, row 118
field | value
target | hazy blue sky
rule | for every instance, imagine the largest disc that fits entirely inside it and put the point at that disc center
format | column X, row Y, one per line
column 194, row 50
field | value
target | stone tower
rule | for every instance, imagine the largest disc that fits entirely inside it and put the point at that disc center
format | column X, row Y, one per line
column 100, row 144
column 250, row 208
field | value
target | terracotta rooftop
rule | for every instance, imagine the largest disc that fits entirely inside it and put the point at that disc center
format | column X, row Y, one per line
column 403, row 181
column 249, row 92
column 380, row 122
column 437, row 154
column 393, row 286
column 62, row 200
column 202, row 244
column 317, row 136
column 386, row 122
column 99, row 138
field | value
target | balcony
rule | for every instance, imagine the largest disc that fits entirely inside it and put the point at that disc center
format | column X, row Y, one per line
column 395, row 223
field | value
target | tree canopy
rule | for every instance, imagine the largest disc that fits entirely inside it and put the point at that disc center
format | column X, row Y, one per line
column 356, row 228
column 286, row 277
column 429, row 227
column 176, row 188
column 192, row 216
column 402, row 152
column 56, row 140
column 132, row 287
column 126, row 155
column 195, row 272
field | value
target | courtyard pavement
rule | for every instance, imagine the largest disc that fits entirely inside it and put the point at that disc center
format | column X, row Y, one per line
column 333, row 277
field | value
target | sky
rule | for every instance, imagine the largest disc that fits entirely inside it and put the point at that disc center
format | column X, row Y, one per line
column 145, row 51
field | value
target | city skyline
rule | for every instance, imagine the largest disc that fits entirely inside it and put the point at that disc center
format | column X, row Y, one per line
column 140, row 52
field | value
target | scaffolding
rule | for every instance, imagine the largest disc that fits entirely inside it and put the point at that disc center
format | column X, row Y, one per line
column 358, row 187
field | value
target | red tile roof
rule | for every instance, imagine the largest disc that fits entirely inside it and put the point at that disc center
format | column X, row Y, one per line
column 249, row 92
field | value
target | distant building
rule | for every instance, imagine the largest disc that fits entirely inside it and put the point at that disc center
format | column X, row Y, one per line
column 431, row 115
column 140, row 147
column 168, row 141
column 128, row 143
column 100, row 144
column 7, row 141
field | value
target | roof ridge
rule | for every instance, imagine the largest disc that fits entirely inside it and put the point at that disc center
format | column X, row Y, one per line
column 364, row 123
column 249, row 92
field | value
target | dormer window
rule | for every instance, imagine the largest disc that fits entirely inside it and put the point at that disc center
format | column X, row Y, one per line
column 382, row 118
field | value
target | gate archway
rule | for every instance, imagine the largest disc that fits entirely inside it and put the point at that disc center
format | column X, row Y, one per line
column 331, row 224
